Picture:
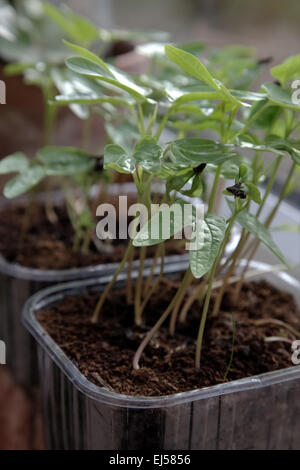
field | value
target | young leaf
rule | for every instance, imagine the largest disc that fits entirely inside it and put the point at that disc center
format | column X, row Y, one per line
column 190, row 64
column 194, row 151
column 253, row 192
column 196, row 188
column 77, row 27
column 194, row 67
column 116, row 158
column 280, row 96
column 165, row 225
column 148, row 154
column 201, row 260
column 275, row 145
column 177, row 181
column 25, row 181
column 65, row 160
column 255, row 227
column 289, row 69
column 86, row 54
column 15, row 163
column 114, row 77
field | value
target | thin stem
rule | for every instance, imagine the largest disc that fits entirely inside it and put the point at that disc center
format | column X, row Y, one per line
column 232, row 348
column 270, row 184
column 163, row 123
column 214, row 189
column 179, row 302
column 157, row 325
column 110, row 284
column 156, row 283
column 129, row 277
column 148, row 281
column 203, row 318
column 199, row 293
column 141, row 119
column 208, row 293
column 49, row 115
column 86, row 241
column 138, row 289
column 252, row 119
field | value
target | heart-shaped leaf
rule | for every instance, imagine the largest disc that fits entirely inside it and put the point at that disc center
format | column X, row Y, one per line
column 201, row 260
column 148, row 154
column 15, row 163
column 24, row 181
column 165, row 223
column 194, row 151
column 116, row 158
column 65, row 160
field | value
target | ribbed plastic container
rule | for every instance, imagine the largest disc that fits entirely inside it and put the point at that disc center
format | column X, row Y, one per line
column 261, row 412
column 18, row 283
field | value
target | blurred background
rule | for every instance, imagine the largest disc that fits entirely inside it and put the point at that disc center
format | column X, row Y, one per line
column 272, row 26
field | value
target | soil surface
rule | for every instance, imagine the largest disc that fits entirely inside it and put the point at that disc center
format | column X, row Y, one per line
column 48, row 245
column 104, row 352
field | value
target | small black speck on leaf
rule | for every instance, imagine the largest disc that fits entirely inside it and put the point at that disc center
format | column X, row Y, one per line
column 198, row 169
column 237, row 191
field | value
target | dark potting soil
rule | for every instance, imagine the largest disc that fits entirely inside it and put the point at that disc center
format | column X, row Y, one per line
column 49, row 245
column 104, row 352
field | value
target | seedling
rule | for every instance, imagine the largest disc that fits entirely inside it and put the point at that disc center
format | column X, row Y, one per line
column 237, row 116
column 234, row 116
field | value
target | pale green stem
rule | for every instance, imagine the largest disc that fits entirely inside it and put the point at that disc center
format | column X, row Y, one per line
column 208, row 295
column 158, row 324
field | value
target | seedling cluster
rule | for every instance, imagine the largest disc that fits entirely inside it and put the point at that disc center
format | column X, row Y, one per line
column 219, row 134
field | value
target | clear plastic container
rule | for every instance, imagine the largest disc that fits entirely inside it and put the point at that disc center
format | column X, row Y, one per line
column 260, row 412
column 18, row 283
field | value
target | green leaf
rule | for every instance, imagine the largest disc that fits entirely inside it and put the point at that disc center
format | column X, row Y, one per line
column 116, row 158
column 280, row 96
column 116, row 78
column 275, row 145
column 201, row 260
column 255, row 227
column 268, row 116
column 91, row 99
column 86, row 54
column 180, row 97
column 196, row 188
column 190, row 64
column 177, row 181
column 148, row 154
column 77, row 27
column 15, row 163
column 164, row 225
column 65, row 160
column 243, row 171
column 194, row 67
column 289, row 69
column 87, row 67
column 25, row 181
column 253, row 192
column 194, row 151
